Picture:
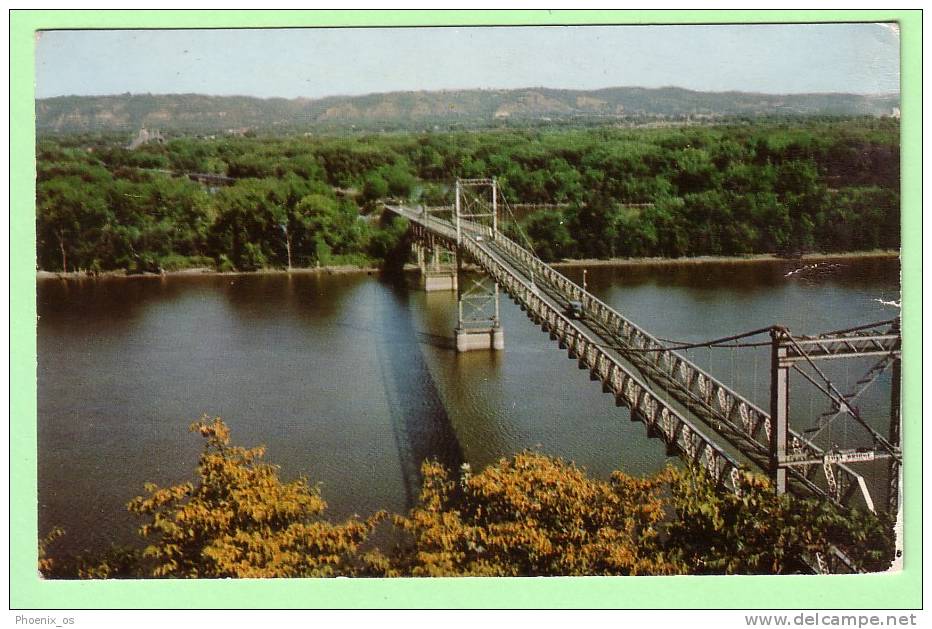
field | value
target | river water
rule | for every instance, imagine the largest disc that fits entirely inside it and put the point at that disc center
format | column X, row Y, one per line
column 352, row 379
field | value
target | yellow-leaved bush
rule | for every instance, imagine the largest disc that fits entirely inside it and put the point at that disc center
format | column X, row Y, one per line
column 238, row 519
column 533, row 515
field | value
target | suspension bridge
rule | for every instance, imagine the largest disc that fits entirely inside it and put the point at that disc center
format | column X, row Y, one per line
column 703, row 420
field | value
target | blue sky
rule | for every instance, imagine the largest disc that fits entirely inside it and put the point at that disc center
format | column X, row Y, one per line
column 860, row 58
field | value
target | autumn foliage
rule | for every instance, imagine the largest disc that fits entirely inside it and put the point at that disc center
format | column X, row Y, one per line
column 238, row 519
column 532, row 515
column 529, row 515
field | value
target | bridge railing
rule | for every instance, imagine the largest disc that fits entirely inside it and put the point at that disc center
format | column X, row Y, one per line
column 661, row 419
column 724, row 402
column 704, row 393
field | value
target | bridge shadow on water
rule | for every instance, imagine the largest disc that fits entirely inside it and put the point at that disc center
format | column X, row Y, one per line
column 419, row 418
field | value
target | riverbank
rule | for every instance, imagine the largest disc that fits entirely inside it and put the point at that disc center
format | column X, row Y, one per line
column 567, row 263
column 752, row 258
column 327, row 270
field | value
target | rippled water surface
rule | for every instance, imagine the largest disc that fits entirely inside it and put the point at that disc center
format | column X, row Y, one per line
column 352, row 379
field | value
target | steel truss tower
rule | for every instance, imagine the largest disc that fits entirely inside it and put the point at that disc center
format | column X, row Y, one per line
column 833, row 471
column 475, row 214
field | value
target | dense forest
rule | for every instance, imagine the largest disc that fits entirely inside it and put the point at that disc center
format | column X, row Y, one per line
column 802, row 185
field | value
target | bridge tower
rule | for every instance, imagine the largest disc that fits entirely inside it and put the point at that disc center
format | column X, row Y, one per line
column 474, row 218
column 794, row 455
column 475, row 214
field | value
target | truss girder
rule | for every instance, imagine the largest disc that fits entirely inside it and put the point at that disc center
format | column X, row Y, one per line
column 844, row 346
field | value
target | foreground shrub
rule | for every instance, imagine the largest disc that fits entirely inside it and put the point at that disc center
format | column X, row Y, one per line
column 238, row 519
column 533, row 515
column 758, row 532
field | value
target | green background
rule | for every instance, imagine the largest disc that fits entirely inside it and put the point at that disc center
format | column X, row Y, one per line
column 27, row 590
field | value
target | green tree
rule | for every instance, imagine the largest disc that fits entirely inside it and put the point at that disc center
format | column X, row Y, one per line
column 330, row 226
column 565, row 182
column 387, row 241
column 744, row 178
column 756, row 532
column 284, row 196
column 550, row 235
column 251, row 166
column 374, row 188
column 637, row 237
column 594, row 226
column 429, row 161
column 399, row 180
column 244, row 216
column 694, row 172
column 70, row 217
column 756, row 186
column 716, row 224
column 796, row 178
column 666, row 219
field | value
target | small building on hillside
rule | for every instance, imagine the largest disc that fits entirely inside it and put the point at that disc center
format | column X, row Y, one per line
column 144, row 137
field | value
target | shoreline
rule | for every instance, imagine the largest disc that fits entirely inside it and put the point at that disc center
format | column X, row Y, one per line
column 750, row 258
column 328, row 270
column 566, row 263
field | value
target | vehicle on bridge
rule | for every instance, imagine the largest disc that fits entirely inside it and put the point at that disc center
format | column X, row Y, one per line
column 574, row 310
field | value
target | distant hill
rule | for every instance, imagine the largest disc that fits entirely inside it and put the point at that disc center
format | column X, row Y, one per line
column 217, row 114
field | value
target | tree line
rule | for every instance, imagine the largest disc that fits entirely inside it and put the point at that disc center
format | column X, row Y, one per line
column 768, row 187
column 528, row 515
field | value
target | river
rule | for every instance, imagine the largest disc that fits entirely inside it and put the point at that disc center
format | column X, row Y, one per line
column 352, row 379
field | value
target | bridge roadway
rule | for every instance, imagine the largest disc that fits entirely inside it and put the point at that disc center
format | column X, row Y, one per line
column 697, row 416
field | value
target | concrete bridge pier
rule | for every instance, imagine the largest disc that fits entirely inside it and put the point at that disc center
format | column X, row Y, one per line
column 471, row 339
column 438, row 268
column 479, row 325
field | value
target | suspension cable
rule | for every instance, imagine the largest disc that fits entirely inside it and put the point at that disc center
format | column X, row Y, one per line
column 722, row 342
column 517, row 224
column 866, row 326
